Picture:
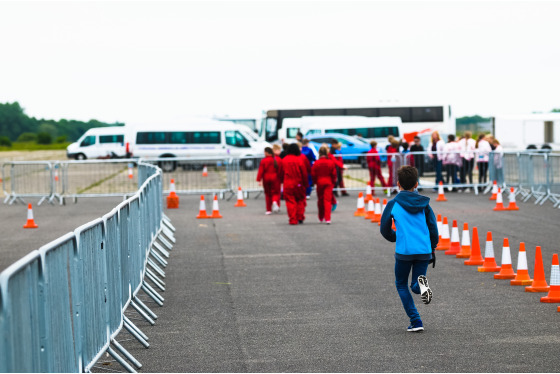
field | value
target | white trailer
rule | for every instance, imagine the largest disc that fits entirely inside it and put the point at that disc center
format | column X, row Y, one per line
column 533, row 131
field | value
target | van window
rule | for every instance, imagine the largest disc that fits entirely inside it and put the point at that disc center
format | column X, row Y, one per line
column 88, row 140
column 178, row 137
column 111, row 139
column 204, row 137
column 368, row 132
column 236, row 139
column 151, row 137
column 291, row 132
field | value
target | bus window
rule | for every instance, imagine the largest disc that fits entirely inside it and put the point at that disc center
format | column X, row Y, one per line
column 88, row 140
column 103, row 139
column 236, row 139
column 151, row 138
column 292, row 132
column 205, row 137
column 178, row 137
column 271, row 131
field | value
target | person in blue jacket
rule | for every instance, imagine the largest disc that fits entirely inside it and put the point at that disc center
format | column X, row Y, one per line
column 416, row 238
column 308, row 152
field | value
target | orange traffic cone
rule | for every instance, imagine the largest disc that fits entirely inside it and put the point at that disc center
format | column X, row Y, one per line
column 215, row 208
column 445, row 242
column 554, row 292
column 30, row 221
column 130, row 172
column 240, row 203
column 539, row 280
column 382, row 209
column 489, row 265
column 172, row 199
column 204, row 171
column 522, row 278
column 476, row 257
column 455, row 246
column 369, row 195
column 465, row 243
column 441, row 194
column 494, row 191
column 377, row 212
column 361, row 210
column 506, row 270
column 202, row 210
column 393, row 225
column 439, row 227
column 512, row 204
column 499, row 201
column 370, row 210
column 56, row 174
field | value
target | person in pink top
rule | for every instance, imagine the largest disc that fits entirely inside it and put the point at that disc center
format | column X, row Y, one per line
column 468, row 148
column 451, row 160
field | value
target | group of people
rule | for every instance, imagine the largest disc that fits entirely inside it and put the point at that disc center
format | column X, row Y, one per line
column 290, row 172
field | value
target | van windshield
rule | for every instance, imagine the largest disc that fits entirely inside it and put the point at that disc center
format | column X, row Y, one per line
column 236, row 139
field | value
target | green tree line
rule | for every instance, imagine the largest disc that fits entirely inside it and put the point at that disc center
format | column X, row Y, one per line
column 15, row 125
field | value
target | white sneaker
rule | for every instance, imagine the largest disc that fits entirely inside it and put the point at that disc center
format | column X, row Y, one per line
column 425, row 290
column 308, row 197
column 275, row 207
column 268, row 213
column 328, row 222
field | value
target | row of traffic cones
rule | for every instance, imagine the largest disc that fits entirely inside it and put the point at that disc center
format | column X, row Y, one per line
column 374, row 208
column 505, row 271
column 496, row 195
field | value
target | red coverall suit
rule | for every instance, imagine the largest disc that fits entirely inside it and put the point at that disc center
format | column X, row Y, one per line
column 324, row 176
column 307, row 165
column 294, row 177
column 270, row 175
column 338, row 163
column 374, row 166
column 392, row 164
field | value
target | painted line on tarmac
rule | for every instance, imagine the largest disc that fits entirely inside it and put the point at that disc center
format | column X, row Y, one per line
column 271, row 255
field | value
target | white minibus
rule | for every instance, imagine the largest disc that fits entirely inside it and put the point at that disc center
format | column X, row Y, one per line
column 372, row 128
column 100, row 142
column 200, row 138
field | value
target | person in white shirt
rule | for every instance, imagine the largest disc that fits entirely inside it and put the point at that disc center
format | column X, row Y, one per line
column 484, row 150
column 498, row 161
column 436, row 148
column 451, row 160
column 468, row 147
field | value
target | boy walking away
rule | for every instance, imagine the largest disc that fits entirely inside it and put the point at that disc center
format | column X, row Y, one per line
column 416, row 238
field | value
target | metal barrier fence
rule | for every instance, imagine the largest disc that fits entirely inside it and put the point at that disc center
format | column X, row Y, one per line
column 27, row 179
column 62, row 306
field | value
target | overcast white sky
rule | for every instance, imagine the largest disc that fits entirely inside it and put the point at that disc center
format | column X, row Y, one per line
column 150, row 61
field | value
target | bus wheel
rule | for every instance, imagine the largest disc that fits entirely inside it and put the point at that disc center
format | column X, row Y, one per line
column 167, row 166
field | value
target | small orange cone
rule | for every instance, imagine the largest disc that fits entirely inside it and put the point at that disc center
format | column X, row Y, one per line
column 382, row 209
column 465, row 251
column 215, row 208
column 172, row 199
column 455, row 246
column 522, row 278
column 476, row 257
column 130, row 172
column 30, row 221
column 445, row 242
column 370, row 210
column 499, row 201
column 240, row 203
column 539, row 280
column 494, row 191
column 369, row 195
column 204, row 171
column 439, row 227
column 56, row 174
column 489, row 265
column 441, row 194
column 554, row 292
column 512, row 204
column 393, row 225
column 506, row 270
column 202, row 210
column 377, row 212
column 361, row 209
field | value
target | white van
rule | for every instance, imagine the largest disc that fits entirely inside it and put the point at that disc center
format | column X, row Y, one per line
column 200, row 138
column 100, row 142
column 289, row 130
column 372, row 128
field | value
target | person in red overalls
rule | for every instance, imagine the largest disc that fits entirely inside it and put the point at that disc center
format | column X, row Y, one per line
column 339, row 165
column 374, row 166
column 277, row 149
column 324, row 177
column 294, row 177
column 393, row 162
column 268, row 175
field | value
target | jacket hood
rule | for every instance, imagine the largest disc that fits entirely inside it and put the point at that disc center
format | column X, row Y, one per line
column 412, row 202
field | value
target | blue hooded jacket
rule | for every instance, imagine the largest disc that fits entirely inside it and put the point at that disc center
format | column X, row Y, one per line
column 417, row 233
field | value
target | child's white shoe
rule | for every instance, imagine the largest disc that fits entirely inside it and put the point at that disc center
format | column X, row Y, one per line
column 425, row 290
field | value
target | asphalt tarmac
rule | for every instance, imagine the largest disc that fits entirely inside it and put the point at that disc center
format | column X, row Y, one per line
column 249, row 293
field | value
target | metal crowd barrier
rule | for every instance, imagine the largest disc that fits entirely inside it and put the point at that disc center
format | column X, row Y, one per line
column 62, row 306
column 27, row 179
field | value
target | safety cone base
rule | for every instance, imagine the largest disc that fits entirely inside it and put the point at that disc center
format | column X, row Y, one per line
column 30, row 224
column 521, row 282
column 359, row 213
column 548, row 299
column 474, row 262
column 216, row 214
column 203, row 215
column 444, row 245
column 441, row 198
column 537, row 288
column 453, row 250
column 172, row 201
column 488, row 268
column 514, row 208
column 240, row 204
column 504, row 276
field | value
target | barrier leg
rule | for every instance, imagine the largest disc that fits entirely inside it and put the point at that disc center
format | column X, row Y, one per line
column 135, row 328
column 145, row 307
column 136, row 333
column 156, row 268
column 126, row 354
column 165, row 242
column 146, row 288
column 161, row 250
column 142, row 313
column 158, row 257
column 167, row 222
column 148, row 271
column 168, row 235
column 153, row 279
column 119, row 359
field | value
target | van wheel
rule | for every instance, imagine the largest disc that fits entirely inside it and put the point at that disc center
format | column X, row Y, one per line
column 80, row 157
column 167, row 166
column 248, row 164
